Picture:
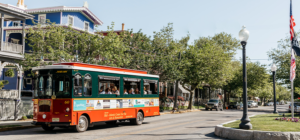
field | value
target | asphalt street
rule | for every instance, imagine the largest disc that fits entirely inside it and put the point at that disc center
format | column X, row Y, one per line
column 280, row 108
column 191, row 125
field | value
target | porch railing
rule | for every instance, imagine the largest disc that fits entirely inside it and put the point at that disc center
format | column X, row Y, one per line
column 12, row 47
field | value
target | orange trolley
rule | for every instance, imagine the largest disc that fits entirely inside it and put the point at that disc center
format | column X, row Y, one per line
column 78, row 95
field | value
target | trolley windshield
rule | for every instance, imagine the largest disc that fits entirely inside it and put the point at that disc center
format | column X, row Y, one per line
column 46, row 86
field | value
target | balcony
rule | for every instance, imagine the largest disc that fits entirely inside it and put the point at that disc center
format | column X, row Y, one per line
column 11, row 50
column 12, row 47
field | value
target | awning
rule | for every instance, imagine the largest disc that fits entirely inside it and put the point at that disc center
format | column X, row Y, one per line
column 182, row 89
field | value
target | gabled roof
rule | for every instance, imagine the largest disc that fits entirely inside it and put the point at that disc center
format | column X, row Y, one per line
column 13, row 13
column 85, row 11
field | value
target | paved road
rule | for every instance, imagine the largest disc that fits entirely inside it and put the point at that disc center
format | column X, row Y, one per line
column 191, row 125
column 280, row 108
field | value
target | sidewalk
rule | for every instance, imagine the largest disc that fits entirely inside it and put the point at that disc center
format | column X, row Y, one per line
column 15, row 125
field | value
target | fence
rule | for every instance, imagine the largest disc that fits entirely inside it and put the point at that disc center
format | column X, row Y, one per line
column 11, row 106
column 7, row 109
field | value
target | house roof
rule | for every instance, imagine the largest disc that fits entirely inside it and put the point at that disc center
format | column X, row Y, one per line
column 13, row 13
column 85, row 11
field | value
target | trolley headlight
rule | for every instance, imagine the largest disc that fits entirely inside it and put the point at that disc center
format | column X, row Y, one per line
column 44, row 116
column 67, row 109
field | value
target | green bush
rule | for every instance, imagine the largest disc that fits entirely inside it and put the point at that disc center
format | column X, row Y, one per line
column 10, row 73
column 30, row 116
column 24, row 118
column 2, row 83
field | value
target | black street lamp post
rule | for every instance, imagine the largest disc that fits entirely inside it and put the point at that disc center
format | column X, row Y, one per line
column 273, row 68
column 245, row 121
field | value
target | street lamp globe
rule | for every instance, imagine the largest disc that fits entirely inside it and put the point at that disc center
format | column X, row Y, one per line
column 273, row 68
column 244, row 34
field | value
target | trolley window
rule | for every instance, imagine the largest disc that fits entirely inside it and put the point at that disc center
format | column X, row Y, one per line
column 43, row 87
column 108, row 85
column 132, row 86
column 150, row 87
column 77, row 85
column 87, row 85
column 62, row 86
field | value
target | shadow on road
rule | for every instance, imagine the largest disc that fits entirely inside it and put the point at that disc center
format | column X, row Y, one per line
column 40, row 131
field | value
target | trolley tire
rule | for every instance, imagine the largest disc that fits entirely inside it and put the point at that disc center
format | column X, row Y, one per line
column 47, row 128
column 111, row 122
column 83, row 124
column 138, row 120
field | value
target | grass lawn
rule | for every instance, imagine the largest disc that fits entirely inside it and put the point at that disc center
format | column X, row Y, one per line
column 8, row 126
column 267, row 122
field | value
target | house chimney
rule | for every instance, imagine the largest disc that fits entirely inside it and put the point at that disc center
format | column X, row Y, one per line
column 21, row 4
column 86, row 5
column 123, row 26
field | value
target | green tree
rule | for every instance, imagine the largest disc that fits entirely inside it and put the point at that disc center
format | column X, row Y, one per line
column 205, row 64
column 266, row 92
column 281, row 56
column 52, row 44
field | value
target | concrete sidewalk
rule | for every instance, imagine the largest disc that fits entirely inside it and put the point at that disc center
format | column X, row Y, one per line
column 20, row 125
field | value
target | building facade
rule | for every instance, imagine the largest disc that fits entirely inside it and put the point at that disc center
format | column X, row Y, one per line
column 13, row 43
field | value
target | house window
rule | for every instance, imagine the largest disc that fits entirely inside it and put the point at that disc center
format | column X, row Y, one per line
column 28, row 81
column 86, row 26
column 17, row 23
column 42, row 18
column 71, row 20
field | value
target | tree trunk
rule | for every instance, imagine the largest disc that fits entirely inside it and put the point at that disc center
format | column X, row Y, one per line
column 176, row 95
column 228, row 97
column 191, row 99
column 224, row 99
column 166, row 89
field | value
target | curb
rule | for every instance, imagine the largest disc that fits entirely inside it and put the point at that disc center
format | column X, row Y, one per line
column 238, row 134
column 18, row 128
column 180, row 112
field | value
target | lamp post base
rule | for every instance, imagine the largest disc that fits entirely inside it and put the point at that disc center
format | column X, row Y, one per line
column 275, row 112
column 246, row 125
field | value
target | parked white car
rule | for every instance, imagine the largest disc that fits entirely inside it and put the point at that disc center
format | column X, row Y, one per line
column 270, row 104
column 252, row 104
column 296, row 107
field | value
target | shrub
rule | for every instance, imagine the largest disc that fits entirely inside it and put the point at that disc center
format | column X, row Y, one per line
column 2, row 83
column 24, row 118
column 30, row 116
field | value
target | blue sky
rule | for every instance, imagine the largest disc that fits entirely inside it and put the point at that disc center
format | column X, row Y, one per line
column 266, row 20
